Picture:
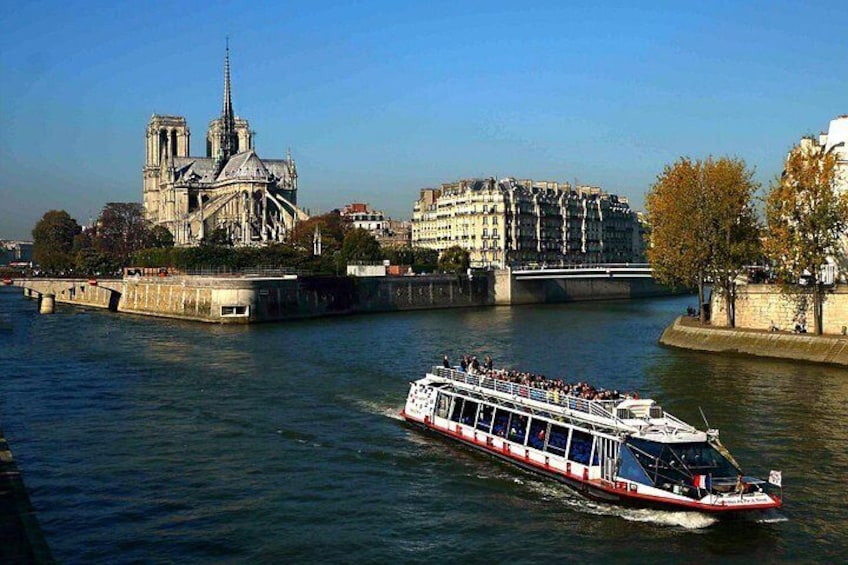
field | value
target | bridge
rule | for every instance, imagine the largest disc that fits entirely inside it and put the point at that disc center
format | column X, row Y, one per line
column 103, row 293
column 545, row 284
column 595, row 271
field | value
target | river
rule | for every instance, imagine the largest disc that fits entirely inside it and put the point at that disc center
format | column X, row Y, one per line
column 151, row 440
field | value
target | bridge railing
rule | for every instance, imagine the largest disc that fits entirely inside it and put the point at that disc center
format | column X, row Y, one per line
column 578, row 266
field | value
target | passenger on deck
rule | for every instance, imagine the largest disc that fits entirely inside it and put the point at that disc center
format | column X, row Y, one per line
column 446, row 362
column 740, row 485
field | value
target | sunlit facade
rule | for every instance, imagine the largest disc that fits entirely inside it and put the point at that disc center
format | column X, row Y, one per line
column 508, row 221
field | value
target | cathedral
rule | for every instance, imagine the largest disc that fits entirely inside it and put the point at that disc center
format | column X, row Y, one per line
column 253, row 200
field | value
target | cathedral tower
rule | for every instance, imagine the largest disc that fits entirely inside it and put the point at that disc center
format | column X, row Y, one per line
column 167, row 137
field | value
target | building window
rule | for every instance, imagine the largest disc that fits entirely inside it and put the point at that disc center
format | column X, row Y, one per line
column 234, row 311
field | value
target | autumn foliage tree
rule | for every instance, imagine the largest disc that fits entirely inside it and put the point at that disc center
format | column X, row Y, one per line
column 806, row 216
column 703, row 225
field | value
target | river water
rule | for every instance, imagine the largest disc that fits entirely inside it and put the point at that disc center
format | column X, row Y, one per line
column 153, row 440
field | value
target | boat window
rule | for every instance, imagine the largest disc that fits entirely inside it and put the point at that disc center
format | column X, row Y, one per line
column 557, row 440
column 484, row 420
column 581, row 448
column 677, row 464
column 518, row 428
column 501, row 422
column 469, row 412
column 538, row 433
column 443, row 405
column 630, row 469
column 456, row 411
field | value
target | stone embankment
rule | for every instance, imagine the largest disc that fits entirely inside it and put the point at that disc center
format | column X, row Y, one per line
column 690, row 334
column 246, row 299
column 21, row 539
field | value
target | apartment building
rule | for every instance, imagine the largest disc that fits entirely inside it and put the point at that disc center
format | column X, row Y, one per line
column 509, row 221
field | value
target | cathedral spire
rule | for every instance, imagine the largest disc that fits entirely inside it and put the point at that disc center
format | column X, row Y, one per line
column 229, row 139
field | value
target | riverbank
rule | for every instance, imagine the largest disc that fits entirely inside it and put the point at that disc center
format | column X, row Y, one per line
column 21, row 539
column 688, row 333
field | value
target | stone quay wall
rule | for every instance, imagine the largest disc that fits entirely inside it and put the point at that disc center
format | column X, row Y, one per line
column 758, row 305
column 781, row 345
column 236, row 299
column 246, row 300
column 21, row 537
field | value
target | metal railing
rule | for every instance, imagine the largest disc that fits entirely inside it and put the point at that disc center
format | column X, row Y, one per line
column 601, row 408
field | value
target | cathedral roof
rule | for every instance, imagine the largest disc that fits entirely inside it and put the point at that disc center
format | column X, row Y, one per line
column 245, row 166
column 194, row 169
column 241, row 166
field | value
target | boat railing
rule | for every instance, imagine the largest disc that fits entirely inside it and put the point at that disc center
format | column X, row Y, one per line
column 601, row 408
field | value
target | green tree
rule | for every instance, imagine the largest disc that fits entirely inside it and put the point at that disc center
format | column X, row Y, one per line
column 424, row 259
column 454, row 260
column 90, row 261
column 360, row 245
column 703, row 225
column 218, row 236
column 806, row 216
column 400, row 255
column 160, row 236
column 53, row 240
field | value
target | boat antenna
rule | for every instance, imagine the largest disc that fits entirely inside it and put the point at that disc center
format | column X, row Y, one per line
column 704, row 417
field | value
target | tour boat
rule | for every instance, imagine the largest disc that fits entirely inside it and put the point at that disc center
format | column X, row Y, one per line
column 627, row 451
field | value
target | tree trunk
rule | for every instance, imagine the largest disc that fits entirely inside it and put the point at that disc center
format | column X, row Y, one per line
column 702, row 315
column 817, row 308
column 730, row 303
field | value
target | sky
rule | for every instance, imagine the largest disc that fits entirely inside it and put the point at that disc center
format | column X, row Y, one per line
column 380, row 99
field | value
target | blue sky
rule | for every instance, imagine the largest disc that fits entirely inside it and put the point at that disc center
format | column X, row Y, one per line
column 380, row 99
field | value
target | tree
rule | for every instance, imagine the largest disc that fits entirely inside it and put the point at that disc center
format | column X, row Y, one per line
column 333, row 228
column 806, row 216
column 122, row 230
column 731, row 229
column 160, row 236
column 703, row 226
column 90, row 261
column 220, row 237
column 360, row 245
column 424, row 259
column 454, row 259
column 53, row 240
column 677, row 254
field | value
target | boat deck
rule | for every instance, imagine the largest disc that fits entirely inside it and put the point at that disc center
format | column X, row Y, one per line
column 600, row 408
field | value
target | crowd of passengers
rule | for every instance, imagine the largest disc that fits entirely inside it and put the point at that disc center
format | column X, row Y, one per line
column 471, row 365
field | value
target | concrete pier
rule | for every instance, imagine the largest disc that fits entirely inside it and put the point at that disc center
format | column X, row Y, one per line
column 47, row 304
